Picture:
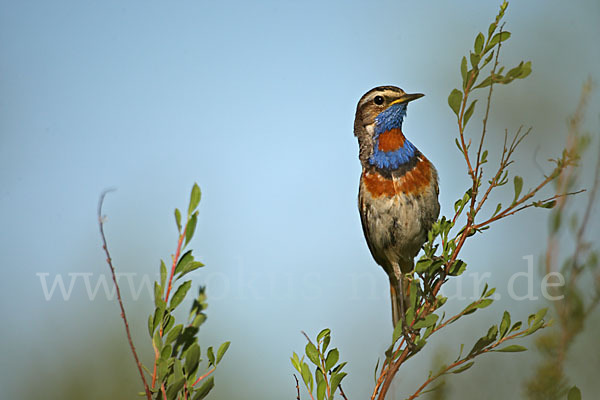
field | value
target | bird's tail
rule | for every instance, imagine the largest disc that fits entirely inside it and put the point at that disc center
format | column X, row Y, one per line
column 400, row 297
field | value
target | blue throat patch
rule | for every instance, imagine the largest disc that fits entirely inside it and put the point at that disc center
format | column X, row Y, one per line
column 389, row 119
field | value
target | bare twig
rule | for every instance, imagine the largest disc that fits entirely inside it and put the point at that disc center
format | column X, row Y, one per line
column 297, row 387
column 342, row 392
column 210, row 371
column 114, row 278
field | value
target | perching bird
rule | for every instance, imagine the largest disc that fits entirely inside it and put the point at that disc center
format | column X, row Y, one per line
column 398, row 193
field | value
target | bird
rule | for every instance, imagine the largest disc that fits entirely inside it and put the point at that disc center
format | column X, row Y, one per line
column 398, row 190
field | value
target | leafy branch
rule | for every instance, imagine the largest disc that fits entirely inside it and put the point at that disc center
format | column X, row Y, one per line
column 101, row 220
column 496, row 335
column 176, row 372
column 447, row 237
column 326, row 365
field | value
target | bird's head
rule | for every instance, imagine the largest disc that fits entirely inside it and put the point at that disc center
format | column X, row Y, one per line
column 378, row 126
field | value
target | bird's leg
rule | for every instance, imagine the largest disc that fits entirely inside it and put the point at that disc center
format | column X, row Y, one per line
column 405, row 330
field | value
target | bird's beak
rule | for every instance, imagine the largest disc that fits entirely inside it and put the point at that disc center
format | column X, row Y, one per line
column 408, row 97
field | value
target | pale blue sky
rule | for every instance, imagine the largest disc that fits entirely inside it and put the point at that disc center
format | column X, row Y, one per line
column 254, row 101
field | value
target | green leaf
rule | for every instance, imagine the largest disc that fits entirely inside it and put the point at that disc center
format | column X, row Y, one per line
column 325, row 332
column 548, row 204
column 479, row 43
column 174, row 333
column 336, row 379
column 166, row 352
column 539, row 316
column 483, row 303
column 192, row 358
column 296, row 362
column 513, row 348
column 492, row 332
column 205, row 388
column 413, row 290
column 454, row 100
column 463, row 368
column 312, row 353
column 222, row 349
column 515, row 327
column 375, row 373
column 424, row 263
column 162, row 369
column 487, row 59
column 497, row 38
column 157, row 340
column 498, row 208
column 505, row 324
column 189, row 267
column 175, row 387
column 463, row 71
column 457, row 268
column 150, row 324
column 158, row 291
column 426, row 322
column 469, row 112
column 410, row 316
column 518, row 181
column 178, row 219
column 459, row 146
column 180, row 294
column 185, row 259
column 321, row 388
column 332, row 358
column 485, row 83
column 158, row 316
column 525, row 71
column 326, row 343
column 484, row 156
column 574, row 394
column 163, row 273
column 167, row 323
column 211, row 356
column 194, row 199
column 307, row 377
column 191, row 227
column 397, row 332
column 475, row 58
column 492, row 28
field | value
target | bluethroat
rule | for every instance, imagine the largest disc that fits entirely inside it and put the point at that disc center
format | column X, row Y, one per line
column 398, row 193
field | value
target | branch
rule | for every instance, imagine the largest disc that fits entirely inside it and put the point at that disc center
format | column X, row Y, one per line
column 342, row 392
column 210, row 371
column 114, row 278
column 175, row 259
column 470, row 357
column 297, row 387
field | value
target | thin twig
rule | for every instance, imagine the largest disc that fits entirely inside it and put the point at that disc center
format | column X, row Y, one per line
column 342, row 392
column 210, row 371
column 487, row 108
column 164, row 392
column 114, row 278
column 391, row 373
column 175, row 259
column 297, row 387
column 588, row 210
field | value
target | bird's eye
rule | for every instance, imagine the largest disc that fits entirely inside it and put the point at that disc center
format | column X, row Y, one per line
column 378, row 100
